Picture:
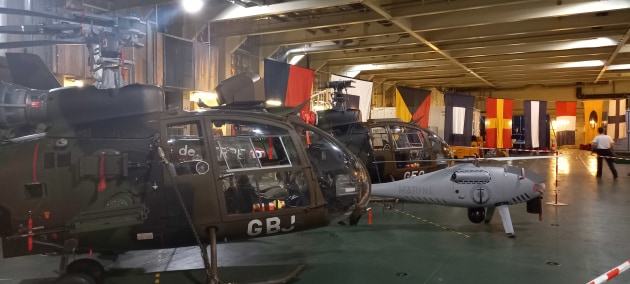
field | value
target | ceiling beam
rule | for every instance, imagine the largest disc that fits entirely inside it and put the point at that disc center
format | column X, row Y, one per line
column 234, row 12
column 611, row 58
column 515, row 13
column 504, row 30
column 540, row 26
column 348, row 32
column 257, row 26
column 509, row 46
column 415, row 9
column 403, row 24
column 269, row 26
column 128, row 4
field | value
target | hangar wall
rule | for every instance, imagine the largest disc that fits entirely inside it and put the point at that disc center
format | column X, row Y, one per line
column 553, row 94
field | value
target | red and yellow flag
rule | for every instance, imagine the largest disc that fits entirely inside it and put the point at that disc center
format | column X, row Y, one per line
column 499, row 123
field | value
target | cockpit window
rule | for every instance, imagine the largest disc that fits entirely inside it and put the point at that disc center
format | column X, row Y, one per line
column 259, row 169
column 185, row 142
column 342, row 178
column 410, row 151
column 247, row 145
column 439, row 146
column 406, row 137
column 380, row 138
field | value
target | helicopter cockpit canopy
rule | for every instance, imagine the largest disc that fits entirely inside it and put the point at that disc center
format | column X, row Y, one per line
column 262, row 165
column 343, row 178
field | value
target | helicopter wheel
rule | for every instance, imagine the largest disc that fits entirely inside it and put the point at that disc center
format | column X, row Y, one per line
column 88, row 267
column 75, row 278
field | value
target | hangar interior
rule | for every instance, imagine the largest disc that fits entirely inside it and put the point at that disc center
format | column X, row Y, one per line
column 534, row 50
column 554, row 51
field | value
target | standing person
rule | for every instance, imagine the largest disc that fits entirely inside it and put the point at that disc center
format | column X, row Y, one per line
column 603, row 147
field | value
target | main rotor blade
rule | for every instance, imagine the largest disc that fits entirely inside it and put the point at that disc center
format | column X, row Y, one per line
column 33, row 43
column 77, row 18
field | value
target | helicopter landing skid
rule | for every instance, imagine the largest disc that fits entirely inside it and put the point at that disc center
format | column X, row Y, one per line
column 214, row 279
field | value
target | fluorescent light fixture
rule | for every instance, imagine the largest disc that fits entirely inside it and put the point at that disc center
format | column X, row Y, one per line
column 295, row 59
column 619, row 67
column 587, row 63
column 352, row 73
column 319, row 107
column 274, row 102
column 192, row 6
column 591, row 43
column 196, row 96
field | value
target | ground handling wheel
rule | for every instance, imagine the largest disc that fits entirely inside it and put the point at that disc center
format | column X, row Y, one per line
column 75, row 278
column 88, row 267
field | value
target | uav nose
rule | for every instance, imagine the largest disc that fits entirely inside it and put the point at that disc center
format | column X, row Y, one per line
column 539, row 187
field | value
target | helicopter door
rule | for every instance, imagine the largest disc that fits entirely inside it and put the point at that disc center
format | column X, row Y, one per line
column 410, row 154
column 438, row 148
column 382, row 152
column 259, row 169
column 185, row 147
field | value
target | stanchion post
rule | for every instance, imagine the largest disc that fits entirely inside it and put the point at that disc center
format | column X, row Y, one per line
column 555, row 203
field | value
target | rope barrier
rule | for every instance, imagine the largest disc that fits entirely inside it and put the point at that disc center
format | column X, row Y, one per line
column 611, row 273
column 615, row 157
column 548, row 151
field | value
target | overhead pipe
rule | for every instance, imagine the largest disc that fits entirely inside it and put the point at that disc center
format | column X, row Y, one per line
column 582, row 96
column 306, row 49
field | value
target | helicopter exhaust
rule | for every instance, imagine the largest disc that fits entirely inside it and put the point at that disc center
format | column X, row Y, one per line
column 36, row 102
column 27, row 111
column 21, row 107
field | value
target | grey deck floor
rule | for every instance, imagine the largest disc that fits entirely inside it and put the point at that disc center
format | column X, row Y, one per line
column 419, row 243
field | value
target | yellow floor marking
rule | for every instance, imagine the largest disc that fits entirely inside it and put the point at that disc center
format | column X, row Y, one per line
column 434, row 224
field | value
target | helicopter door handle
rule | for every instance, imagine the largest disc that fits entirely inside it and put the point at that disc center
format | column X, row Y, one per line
column 226, row 175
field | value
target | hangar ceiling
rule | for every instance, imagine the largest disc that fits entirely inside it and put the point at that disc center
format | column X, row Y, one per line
column 460, row 44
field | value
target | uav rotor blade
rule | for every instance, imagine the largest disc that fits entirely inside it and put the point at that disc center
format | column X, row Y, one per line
column 474, row 159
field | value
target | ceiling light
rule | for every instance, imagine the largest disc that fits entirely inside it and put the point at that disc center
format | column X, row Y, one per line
column 192, row 6
column 196, row 96
column 274, row 103
column 591, row 43
column 295, row 59
column 619, row 67
column 587, row 63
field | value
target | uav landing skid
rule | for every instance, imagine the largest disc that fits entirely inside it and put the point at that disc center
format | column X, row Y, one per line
column 504, row 212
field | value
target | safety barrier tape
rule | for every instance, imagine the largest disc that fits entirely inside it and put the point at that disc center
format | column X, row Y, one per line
column 611, row 274
column 518, row 150
column 616, row 158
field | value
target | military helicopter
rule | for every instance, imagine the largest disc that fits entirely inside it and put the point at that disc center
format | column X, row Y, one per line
column 410, row 163
column 115, row 170
column 390, row 148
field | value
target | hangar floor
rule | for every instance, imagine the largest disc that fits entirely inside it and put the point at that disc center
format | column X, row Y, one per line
column 418, row 243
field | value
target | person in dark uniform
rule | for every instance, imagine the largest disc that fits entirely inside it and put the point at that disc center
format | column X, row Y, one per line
column 602, row 145
column 240, row 197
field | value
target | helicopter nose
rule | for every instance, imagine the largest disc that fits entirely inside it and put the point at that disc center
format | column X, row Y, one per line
column 353, row 194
